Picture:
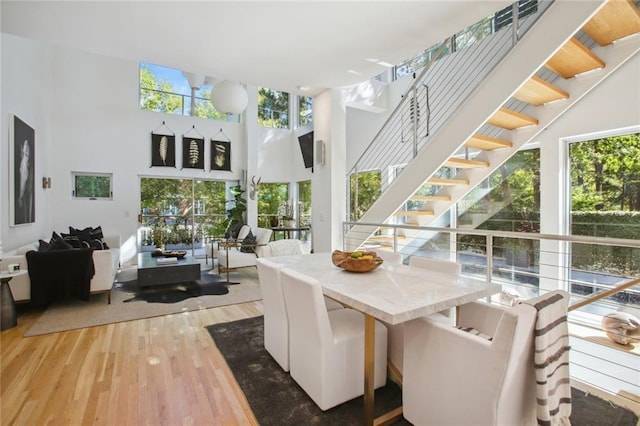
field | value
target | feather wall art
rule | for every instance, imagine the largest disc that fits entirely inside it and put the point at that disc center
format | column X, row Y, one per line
column 163, row 150
column 220, row 155
column 192, row 153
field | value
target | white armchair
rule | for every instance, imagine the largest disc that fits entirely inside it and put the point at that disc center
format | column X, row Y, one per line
column 276, row 323
column 326, row 348
column 233, row 257
column 484, row 377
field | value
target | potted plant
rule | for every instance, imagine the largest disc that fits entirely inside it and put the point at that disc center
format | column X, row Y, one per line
column 286, row 213
column 235, row 214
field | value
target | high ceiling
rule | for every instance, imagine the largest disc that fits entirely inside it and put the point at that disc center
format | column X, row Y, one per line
column 283, row 45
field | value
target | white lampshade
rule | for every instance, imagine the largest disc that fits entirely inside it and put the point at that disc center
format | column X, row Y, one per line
column 195, row 80
column 229, row 97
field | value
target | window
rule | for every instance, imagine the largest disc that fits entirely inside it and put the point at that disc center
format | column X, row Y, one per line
column 167, row 90
column 304, row 202
column 508, row 200
column 181, row 211
column 368, row 190
column 504, row 17
column 273, row 108
column 270, row 197
column 605, row 202
column 305, row 110
column 92, row 186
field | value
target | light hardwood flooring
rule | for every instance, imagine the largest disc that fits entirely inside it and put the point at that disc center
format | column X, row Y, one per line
column 156, row 371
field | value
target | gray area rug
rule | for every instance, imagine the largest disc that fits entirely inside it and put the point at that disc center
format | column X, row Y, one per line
column 74, row 314
column 277, row 400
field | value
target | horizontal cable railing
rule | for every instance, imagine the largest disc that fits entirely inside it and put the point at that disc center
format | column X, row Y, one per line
column 527, row 263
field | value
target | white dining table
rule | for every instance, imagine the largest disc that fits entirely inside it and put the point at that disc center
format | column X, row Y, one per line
column 390, row 293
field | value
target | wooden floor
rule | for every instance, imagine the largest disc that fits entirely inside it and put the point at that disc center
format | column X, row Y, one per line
column 157, row 371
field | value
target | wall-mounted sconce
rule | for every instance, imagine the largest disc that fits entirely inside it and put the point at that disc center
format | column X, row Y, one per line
column 46, row 182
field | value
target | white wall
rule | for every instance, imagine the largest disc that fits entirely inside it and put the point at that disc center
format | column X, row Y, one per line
column 26, row 92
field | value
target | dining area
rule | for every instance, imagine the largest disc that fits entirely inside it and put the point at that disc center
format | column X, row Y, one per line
column 342, row 334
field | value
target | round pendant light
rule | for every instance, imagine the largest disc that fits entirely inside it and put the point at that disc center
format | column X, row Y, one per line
column 229, row 97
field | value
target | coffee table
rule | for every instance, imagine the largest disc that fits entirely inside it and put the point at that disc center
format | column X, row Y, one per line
column 151, row 272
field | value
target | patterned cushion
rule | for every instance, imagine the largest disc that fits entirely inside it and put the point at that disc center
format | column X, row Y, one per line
column 248, row 243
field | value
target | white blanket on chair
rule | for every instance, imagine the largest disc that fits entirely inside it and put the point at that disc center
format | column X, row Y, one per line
column 551, row 358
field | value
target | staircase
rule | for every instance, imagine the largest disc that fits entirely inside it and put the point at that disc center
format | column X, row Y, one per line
column 571, row 49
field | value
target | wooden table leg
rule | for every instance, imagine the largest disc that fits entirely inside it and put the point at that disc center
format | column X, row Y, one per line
column 369, row 367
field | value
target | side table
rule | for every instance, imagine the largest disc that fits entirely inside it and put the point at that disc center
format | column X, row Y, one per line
column 8, row 317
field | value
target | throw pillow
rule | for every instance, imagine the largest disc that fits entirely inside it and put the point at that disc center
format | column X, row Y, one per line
column 43, row 246
column 82, row 234
column 96, row 244
column 96, row 233
column 248, row 243
column 54, row 236
column 74, row 241
column 60, row 244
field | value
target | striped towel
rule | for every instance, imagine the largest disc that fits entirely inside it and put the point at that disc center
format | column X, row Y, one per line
column 551, row 359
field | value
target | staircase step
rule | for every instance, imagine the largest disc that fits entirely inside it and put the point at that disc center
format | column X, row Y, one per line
column 574, row 58
column 486, row 143
column 413, row 213
column 385, row 238
column 463, row 163
column 537, row 91
column 510, row 120
column 447, row 182
column 616, row 19
column 430, row 198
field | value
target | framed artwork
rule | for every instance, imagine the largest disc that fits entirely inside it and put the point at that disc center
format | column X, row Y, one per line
column 192, row 153
column 22, row 150
column 220, row 155
column 163, row 150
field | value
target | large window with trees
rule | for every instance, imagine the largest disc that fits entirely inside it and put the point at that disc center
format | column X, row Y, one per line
column 605, row 202
column 167, row 90
column 181, row 212
column 273, row 108
column 271, row 197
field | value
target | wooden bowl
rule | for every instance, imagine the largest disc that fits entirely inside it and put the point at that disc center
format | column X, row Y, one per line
column 344, row 260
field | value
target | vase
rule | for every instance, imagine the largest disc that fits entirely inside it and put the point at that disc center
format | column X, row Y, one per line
column 274, row 222
column 289, row 223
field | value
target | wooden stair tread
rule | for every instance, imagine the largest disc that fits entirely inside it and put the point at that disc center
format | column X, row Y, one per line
column 446, row 182
column 384, row 238
column 574, row 58
column 615, row 20
column 486, row 143
column 430, row 198
column 463, row 163
column 413, row 213
column 510, row 120
column 537, row 91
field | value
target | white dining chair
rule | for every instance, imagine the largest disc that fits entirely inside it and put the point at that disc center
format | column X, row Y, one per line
column 276, row 323
column 482, row 372
column 390, row 257
column 326, row 348
column 444, row 266
column 396, row 332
